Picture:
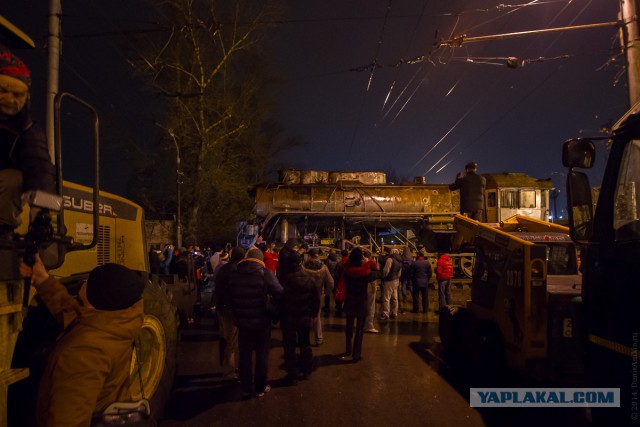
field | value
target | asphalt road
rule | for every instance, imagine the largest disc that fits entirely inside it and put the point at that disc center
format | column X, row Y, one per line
column 401, row 380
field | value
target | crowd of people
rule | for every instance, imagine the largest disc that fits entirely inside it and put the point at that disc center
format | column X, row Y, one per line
column 292, row 285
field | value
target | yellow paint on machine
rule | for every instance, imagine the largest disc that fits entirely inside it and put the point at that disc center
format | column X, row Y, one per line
column 612, row 345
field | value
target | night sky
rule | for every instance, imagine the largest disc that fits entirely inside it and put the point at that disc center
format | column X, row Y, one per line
column 428, row 118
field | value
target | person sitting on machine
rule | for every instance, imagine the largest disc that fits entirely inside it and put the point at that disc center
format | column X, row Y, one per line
column 25, row 163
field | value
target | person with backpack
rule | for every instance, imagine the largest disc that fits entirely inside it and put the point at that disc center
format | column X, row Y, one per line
column 321, row 277
column 444, row 272
column 405, row 277
column 391, row 279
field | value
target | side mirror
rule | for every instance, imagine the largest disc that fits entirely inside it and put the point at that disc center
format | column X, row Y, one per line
column 579, row 153
column 580, row 204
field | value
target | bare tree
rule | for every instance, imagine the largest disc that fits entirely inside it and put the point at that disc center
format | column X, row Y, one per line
column 211, row 70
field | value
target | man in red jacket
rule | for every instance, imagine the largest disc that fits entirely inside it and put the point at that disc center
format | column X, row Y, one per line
column 444, row 271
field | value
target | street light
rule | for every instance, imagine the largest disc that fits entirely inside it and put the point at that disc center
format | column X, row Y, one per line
column 178, row 182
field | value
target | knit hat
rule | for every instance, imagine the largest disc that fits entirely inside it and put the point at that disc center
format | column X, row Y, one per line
column 255, row 253
column 237, row 254
column 114, row 287
column 12, row 66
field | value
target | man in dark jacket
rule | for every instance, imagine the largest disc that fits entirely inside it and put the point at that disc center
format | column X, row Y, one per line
column 300, row 309
column 322, row 279
column 25, row 163
column 289, row 257
column 228, row 331
column 420, row 275
column 251, row 285
column 471, row 186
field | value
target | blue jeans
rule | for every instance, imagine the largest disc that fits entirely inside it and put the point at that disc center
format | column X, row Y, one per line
column 444, row 293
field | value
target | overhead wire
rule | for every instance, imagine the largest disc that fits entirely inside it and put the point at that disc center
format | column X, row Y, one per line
column 411, row 39
column 375, row 58
column 520, row 101
column 529, row 94
column 364, row 96
column 133, row 119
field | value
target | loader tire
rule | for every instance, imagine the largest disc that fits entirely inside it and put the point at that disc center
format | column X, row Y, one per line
column 451, row 326
column 155, row 349
column 485, row 350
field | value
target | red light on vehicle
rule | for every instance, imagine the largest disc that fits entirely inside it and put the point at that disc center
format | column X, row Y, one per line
column 547, row 238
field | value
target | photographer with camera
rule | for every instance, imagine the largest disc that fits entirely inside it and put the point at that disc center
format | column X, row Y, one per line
column 88, row 369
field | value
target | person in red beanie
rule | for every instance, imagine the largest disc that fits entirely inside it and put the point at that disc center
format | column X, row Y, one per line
column 25, row 163
column 88, row 369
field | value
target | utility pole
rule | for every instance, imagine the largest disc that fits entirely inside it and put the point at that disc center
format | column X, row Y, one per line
column 53, row 70
column 179, row 181
column 631, row 43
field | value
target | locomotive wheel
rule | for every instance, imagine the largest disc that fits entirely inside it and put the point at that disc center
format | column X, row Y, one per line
column 466, row 266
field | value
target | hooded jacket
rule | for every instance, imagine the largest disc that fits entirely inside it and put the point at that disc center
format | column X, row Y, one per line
column 301, row 301
column 444, row 268
column 288, row 259
column 332, row 262
column 320, row 274
column 89, row 367
column 250, row 286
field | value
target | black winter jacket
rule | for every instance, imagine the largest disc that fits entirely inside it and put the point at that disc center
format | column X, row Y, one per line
column 421, row 273
column 23, row 146
column 301, row 301
column 223, row 286
column 250, row 285
column 288, row 261
column 471, row 188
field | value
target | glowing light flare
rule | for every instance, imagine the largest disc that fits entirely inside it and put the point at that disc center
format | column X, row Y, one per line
column 452, row 88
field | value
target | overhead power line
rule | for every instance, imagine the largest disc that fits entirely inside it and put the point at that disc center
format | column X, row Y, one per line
column 458, row 41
